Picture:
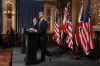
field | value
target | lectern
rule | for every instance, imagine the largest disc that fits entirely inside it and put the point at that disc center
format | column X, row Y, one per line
column 31, row 47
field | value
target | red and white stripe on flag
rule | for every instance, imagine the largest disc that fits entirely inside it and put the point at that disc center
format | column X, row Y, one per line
column 84, row 35
column 56, row 28
column 56, row 33
column 65, row 18
column 91, row 38
column 69, row 38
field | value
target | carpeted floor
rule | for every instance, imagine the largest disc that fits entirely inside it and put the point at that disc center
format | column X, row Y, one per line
column 5, row 56
column 62, row 60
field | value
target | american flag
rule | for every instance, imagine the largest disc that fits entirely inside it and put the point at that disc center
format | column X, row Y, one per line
column 56, row 28
column 69, row 38
column 83, row 32
column 65, row 19
column 87, row 27
column 79, row 25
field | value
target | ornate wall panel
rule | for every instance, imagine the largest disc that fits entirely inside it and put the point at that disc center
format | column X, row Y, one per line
column 8, row 15
column 95, row 10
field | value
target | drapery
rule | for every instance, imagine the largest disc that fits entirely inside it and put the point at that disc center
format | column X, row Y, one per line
column 0, row 16
column 25, row 10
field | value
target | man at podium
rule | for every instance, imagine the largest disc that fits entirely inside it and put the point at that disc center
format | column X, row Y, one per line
column 34, row 26
column 38, row 38
column 42, row 29
column 35, row 23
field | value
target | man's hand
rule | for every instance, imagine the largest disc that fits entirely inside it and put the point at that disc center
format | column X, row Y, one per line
column 32, row 30
column 35, row 30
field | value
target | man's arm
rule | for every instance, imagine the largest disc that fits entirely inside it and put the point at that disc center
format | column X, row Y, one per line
column 43, row 27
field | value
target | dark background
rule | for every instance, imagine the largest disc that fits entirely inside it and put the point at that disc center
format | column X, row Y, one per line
column 25, row 10
column 0, row 16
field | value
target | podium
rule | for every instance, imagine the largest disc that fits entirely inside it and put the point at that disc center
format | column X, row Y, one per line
column 32, row 44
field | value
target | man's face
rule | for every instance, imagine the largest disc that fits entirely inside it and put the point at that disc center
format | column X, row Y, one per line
column 40, row 14
column 34, row 20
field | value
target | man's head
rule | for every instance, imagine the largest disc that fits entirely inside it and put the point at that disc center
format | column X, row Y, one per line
column 41, row 14
column 34, row 20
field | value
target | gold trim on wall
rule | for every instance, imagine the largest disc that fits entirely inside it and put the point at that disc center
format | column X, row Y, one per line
column 52, row 8
column 5, row 17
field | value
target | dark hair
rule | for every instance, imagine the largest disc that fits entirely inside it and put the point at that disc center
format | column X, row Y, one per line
column 33, row 17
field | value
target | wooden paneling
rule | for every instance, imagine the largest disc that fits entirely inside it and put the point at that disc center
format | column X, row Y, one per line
column 75, row 12
column 95, row 10
column 49, row 13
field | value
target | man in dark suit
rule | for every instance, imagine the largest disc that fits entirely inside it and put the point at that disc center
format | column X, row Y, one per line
column 34, row 26
column 42, row 24
column 42, row 29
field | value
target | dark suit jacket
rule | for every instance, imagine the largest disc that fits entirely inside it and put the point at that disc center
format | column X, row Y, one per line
column 42, row 27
